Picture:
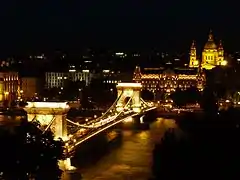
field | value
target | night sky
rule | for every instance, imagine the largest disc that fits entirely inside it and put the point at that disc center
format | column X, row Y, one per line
column 66, row 24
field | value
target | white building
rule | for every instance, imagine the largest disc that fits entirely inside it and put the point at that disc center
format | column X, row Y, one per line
column 56, row 79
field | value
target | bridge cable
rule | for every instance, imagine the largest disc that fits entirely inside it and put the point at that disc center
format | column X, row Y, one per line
column 79, row 125
column 34, row 118
column 125, row 106
column 122, row 109
column 116, row 116
column 109, row 109
column 99, row 119
column 49, row 125
column 144, row 102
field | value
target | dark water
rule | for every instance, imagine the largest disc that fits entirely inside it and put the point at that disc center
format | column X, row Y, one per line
column 9, row 120
column 130, row 159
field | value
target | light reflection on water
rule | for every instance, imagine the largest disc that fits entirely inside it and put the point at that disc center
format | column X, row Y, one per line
column 132, row 159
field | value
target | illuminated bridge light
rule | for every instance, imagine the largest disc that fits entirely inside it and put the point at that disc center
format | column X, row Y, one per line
column 130, row 119
column 62, row 105
column 139, row 85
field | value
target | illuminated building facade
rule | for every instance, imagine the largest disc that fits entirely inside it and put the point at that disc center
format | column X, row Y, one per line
column 9, row 86
column 167, row 80
column 212, row 55
column 56, row 79
column 113, row 77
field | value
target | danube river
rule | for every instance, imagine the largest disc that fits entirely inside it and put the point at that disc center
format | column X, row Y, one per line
column 130, row 159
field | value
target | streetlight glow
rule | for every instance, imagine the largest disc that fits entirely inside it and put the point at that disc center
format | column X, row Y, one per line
column 224, row 63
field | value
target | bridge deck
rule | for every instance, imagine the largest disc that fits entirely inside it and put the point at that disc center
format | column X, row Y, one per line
column 98, row 127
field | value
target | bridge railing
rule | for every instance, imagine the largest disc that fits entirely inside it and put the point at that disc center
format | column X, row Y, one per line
column 144, row 102
column 102, row 119
column 78, row 140
column 101, row 127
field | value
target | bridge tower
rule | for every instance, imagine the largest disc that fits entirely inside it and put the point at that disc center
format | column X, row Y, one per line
column 52, row 115
column 129, row 90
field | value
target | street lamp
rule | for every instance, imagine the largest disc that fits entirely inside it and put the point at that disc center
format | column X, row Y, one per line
column 224, row 63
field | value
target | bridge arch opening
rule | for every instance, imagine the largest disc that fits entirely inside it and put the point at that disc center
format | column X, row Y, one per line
column 127, row 91
column 128, row 101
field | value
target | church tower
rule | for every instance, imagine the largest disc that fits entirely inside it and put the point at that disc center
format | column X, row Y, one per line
column 137, row 75
column 220, row 54
column 193, row 63
column 212, row 55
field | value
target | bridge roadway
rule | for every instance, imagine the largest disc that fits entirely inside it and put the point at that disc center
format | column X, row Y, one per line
column 99, row 127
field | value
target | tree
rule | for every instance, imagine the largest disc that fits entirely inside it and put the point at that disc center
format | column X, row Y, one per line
column 208, row 101
column 179, row 97
column 72, row 89
column 220, row 90
column 22, row 104
column 51, row 93
column 86, row 103
column 13, row 104
column 206, row 151
column 30, row 153
column 102, row 93
column 5, row 103
column 170, row 157
column 192, row 95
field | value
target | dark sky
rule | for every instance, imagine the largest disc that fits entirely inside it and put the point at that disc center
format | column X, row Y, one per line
column 69, row 24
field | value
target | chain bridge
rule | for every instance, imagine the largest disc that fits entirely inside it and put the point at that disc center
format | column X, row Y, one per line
column 53, row 115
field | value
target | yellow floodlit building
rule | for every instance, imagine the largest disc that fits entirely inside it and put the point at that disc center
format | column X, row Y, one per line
column 212, row 55
column 167, row 80
column 9, row 86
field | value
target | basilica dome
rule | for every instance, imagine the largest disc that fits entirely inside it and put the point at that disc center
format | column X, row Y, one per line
column 210, row 43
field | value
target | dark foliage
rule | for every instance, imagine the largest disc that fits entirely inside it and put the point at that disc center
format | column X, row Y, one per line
column 27, row 152
column 5, row 103
column 13, row 104
column 178, row 98
column 210, row 151
column 72, row 89
column 208, row 101
column 22, row 104
column 147, row 95
column 102, row 93
column 189, row 96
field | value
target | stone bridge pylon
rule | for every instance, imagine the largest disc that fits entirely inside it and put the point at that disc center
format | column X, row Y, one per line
column 51, row 115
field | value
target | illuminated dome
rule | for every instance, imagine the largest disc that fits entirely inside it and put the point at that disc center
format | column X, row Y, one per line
column 210, row 43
